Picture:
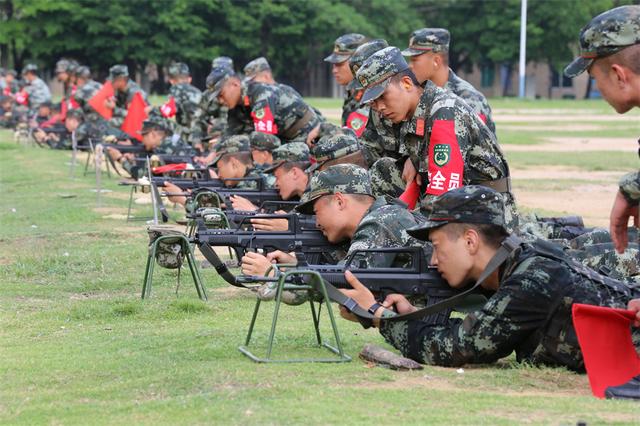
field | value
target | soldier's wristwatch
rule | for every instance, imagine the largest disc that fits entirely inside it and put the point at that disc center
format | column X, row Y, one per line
column 372, row 310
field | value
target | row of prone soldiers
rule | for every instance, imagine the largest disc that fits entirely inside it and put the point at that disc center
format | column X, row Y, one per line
column 415, row 161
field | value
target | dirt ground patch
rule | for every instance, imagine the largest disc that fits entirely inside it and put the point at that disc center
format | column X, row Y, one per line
column 592, row 202
column 561, row 172
column 578, row 144
column 588, row 118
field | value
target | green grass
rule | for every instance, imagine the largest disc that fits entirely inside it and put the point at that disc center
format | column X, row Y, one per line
column 78, row 346
column 590, row 160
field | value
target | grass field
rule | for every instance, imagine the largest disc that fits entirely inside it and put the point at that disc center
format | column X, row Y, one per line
column 78, row 346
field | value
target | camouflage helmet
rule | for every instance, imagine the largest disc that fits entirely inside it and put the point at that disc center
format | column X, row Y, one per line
column 178, row 69
column 155, row 122
column 230, row 145
column 606, row 34
column 343, row 178
column 222, row 62
column 377, row 69
column 75, row 113
column 360, row 55
column 344, row 47
column 30, row 68
column 428, row 40
column 118, row 70
column 292, row 152
column 217, row 77
column 332, row 147
column 61, row 66
column 263, row 141
column 83, row 71
column 170, row 250
column 468, row 204
column 256, row 66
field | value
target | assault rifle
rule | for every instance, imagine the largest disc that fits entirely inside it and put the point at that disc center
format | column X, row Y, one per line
column 238, row 218
column 299, row 237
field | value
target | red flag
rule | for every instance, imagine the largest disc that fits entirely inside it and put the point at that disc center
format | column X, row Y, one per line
column 168, row 109
column 136, row 114
column 168, row 168
column 22, row 97
column 97, row 101
column 605, row 340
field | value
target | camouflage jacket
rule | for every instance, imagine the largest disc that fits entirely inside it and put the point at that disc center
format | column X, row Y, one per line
column 277, row 111
column 187, row 98
column 451, row 146
column 209, row 116
column 354, row 115
column 476, row 100
column 125, row 97
column 530, row 314
column 384, row 225
column 630, row 187
column 38, row 92
column 269, row 180
column 381, row 138
column 174, row 145
column 96, row 130
column 85, row 93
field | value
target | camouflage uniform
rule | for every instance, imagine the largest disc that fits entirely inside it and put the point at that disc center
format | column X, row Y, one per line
column 607, row 34
column 383, row 225
column 380, row 137
column 271, row 109
column 238, row 144
column 37, row 89
column 124, row 97
column 336, row 149
column 437, row 40
column 64, row 65
column 352, row 113
column 530, row 313
column 187, row 99
column 85, row 92
column 444, row 139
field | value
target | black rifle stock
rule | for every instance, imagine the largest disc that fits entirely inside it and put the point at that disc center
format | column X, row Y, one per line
column 299, row 237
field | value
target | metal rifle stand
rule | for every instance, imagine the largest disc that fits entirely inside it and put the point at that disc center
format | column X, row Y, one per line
column 191, row 261
column 92, row 152
column 316, row 284
column 154, row 200
column 74, row 155
column 98, row 157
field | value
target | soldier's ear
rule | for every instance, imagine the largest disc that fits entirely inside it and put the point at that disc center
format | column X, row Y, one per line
column 407, row 83
column 620, row 74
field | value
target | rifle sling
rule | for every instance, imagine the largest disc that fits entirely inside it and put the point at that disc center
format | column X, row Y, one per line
column 508, row 246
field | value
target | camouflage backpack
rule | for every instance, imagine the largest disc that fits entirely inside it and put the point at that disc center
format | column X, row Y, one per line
column 170, row 251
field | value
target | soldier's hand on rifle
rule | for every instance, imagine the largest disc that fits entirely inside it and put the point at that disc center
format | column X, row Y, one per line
column 361, row 294
column 175, row 189
column 398, row 303
column 270, row 224
column 619, row 221
column 241, row 203
column 634, row 305
column 114, row 153
column 255, row 264
column 281, row 257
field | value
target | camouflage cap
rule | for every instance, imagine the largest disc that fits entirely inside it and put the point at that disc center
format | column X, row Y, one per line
column 343, row 178
column 178, row 69
column 376, row 70
column 61, row 66
column 155, row 122
column 83, row 71
column 12, row 73
column 360, row 55
column 468, row 204
column 332, row 147
column 230, row 145
column 222, row 62
column 118, row 70
column 605, row 35
column 344, row 47
column 428, row 40
column 292, row 152
column 75, row 113
column 30, row 68
column 263, row 141
column 217, row 77
column 73, row 66
column 256, row 66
